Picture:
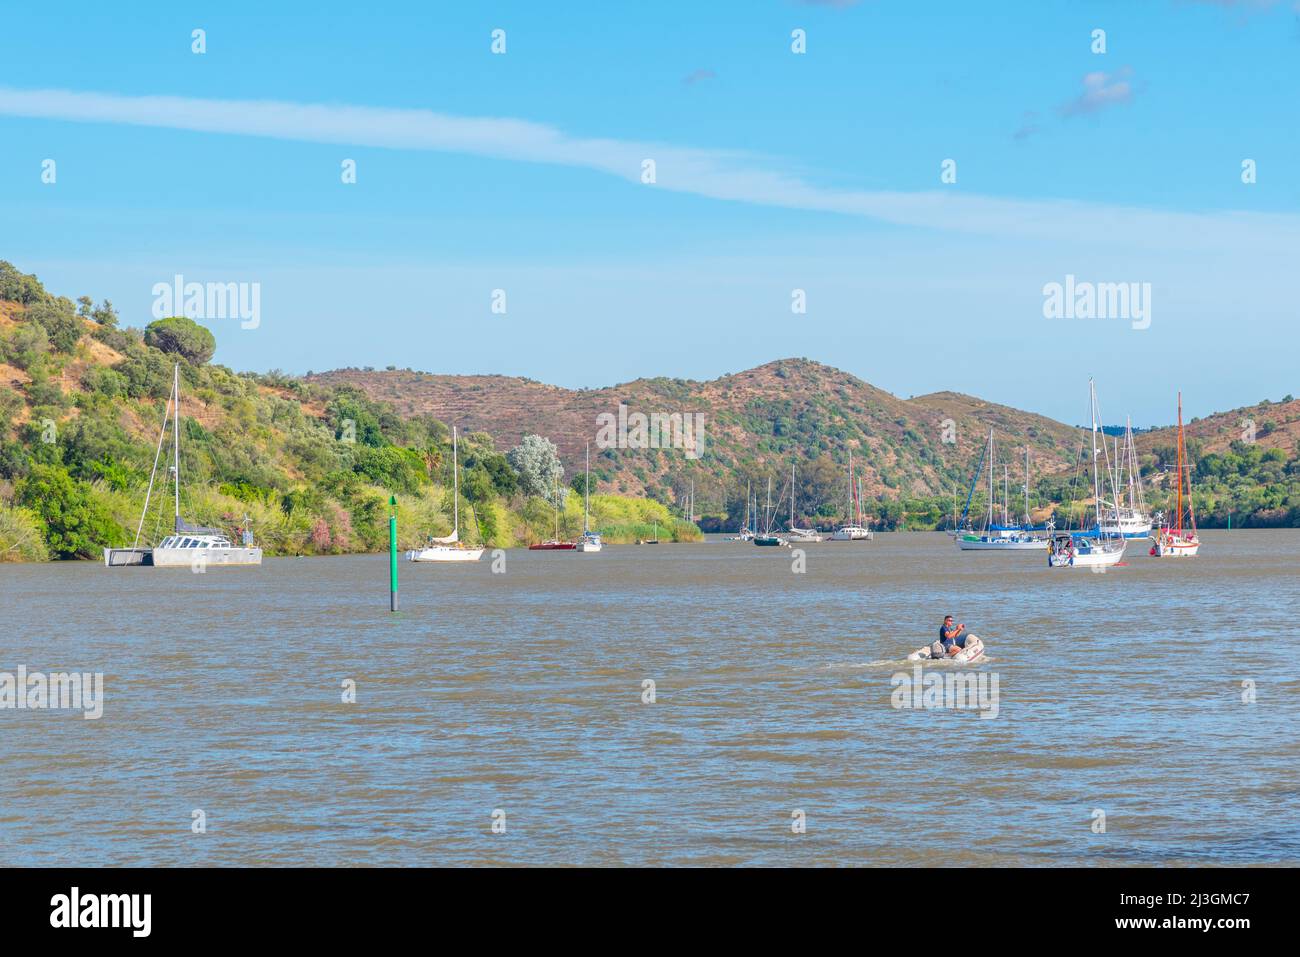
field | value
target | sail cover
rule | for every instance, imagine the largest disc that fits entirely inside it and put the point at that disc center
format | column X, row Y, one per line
column 449, row 540
column 184, row 528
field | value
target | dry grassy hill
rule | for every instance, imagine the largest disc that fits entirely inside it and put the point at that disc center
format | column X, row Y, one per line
column 759, row 421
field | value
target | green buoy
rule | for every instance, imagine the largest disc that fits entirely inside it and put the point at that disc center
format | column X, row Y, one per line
column 392, row 554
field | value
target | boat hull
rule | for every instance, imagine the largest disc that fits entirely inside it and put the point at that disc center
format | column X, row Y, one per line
column 123, row 557
column 1086, row 555
column 553, row 547
column 444, row 555
column 973, row 651
column 852, row 534
column 205, row 557
column 976, row 543
column 588, row 547
column 1128, row 531
column 1175, row 549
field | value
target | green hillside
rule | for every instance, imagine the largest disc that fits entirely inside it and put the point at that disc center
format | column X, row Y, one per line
column 310, row 462
column 309, row 466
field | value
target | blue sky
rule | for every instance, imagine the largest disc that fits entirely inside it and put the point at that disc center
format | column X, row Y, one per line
column 776, row 172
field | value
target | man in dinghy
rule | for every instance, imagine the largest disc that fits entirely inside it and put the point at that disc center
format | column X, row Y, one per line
column 952, row 639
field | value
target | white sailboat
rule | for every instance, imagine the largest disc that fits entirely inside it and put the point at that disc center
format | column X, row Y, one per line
column 1127, row 518
column 191, row 546
column 854, row 530
column 799, row 535
column 746, row 533
column 1002, row 537
column 1097, row 550
column 590, row 541
column 1173, row 541
column 449, row 548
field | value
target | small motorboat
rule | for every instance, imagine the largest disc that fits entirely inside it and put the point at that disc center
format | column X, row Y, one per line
column 972, row 652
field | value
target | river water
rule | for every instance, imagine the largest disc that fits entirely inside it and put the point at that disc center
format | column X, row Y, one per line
column 1161, row 694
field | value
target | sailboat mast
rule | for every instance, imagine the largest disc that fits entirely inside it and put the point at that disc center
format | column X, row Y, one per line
column 767, row 507
column 1180, row 464
column 586, row 498
column 1006, row 491
column 176, row 435
column 1028, row 520
column 792, row 495
column 849, row 514
column 988, row 522
column 1096, row 486
column 455, row 486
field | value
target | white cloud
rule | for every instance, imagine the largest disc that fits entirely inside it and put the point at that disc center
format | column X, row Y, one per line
column 718, row 174
column 1101, row 90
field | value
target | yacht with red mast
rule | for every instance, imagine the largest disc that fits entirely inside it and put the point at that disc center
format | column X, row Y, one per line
column 1175, row 541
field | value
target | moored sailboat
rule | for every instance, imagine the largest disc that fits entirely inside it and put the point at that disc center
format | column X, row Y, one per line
column 994, row 537
column 767, row 537
column 853, row 530
column 1173, row 541
column 555, row 544
column 449, row 548
column 1127, row 518
column 799, row 535
column 190, row 546
column 590, row 541
column 1100, row 550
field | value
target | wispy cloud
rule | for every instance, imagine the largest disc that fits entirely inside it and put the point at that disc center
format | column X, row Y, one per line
column 829, row 3
column 696, row 76
column 1100, row 91
column 1028, row 126
column 715, row 173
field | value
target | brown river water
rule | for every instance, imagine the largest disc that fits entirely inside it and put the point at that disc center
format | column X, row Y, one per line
column 1162, row 694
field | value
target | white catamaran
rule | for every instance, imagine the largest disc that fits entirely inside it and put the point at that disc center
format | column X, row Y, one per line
column 191, row 546
column 590, row 541
column 449, row 548
column 853, row 530
column 1173, row 541
column 996, row 537
column 1097, row 549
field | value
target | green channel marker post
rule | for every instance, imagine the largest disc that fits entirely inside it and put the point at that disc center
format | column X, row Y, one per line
column 392, row 554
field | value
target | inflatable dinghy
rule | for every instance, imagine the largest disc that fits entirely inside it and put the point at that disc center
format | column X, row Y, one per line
column 974, row 651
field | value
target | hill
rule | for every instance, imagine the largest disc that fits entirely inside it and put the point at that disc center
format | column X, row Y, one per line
column 310, row 466
column 757, row 423
column 311, row 461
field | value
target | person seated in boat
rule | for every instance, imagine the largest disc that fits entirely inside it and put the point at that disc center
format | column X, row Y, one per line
column 952, row 638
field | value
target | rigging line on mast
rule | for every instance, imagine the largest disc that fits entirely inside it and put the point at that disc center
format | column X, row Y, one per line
column 162, row 433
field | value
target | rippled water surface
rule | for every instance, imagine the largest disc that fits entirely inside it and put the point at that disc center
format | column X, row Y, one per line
column 1120, row 692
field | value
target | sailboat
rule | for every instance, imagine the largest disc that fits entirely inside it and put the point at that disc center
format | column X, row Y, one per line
column 853, row 531
column 554, row 544
column 1130, row 520
column 767, row 537
column 745, row 534
column 799, row 534
column 1172, row 541
column 191, row 546
column 1070, row 550
column 997, row 537
column 590, row 541
column 449, row 548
